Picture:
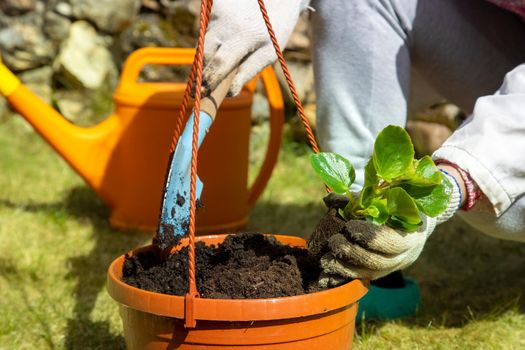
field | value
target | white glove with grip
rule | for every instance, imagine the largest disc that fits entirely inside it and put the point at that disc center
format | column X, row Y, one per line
column 363, row 250
column 237, row 37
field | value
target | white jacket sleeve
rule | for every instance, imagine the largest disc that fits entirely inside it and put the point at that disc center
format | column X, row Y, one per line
column 490, row 145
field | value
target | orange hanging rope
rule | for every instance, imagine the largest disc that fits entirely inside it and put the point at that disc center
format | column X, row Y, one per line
column 189, row 85
column 289, row 81
column 284, row 67
column 193, row 293
column 195, row 79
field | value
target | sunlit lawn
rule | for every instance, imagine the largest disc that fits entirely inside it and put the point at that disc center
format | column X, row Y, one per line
column 55, row 246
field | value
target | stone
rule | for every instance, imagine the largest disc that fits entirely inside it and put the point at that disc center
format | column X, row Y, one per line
column 56, row 26
column 111, row 16
column 152, row 30
column 193, row 7
column 39, row 81
column 147, row 30
column 298, row 46
column 24, row 45
column 151, row 5
column 84, row 108
column 17, row 7
column 427, row 136
column 444, row 113
column 64, row 9
column 182, row 16
column 73, row 105
column 432, row 126
column 83, row 60
column 184, row 19
column 5, row 21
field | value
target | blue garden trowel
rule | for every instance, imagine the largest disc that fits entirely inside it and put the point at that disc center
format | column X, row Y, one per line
column 175, row 211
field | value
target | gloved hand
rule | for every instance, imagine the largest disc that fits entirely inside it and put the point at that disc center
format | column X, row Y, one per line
column 237, row 37
column 359, row 249
column 365, row 250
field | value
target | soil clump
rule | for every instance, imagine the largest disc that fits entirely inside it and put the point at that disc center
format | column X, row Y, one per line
column 330, row 224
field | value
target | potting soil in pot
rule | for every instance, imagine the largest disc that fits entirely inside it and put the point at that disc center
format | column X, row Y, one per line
column 243, row 266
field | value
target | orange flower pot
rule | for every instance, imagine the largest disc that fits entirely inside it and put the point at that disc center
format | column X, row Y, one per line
column 322, row 320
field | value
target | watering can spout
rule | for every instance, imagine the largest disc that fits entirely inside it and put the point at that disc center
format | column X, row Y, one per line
column 73, row 143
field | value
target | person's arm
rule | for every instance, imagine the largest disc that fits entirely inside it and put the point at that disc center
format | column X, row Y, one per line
column 490, row 144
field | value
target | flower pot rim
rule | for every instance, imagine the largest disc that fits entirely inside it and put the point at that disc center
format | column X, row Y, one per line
column 233, row 309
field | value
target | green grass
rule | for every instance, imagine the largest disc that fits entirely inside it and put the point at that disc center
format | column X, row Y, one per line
column 55, row 246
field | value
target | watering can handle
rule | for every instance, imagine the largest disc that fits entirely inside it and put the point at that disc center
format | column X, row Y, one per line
column 182, row 56
column 153, row 55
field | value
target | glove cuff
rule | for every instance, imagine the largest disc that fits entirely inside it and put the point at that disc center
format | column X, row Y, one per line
column 455, row 199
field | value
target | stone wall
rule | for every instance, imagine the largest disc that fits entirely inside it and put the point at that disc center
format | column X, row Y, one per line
column 70, row 52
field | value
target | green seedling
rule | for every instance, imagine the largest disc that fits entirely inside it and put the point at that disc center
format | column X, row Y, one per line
column 397, row 189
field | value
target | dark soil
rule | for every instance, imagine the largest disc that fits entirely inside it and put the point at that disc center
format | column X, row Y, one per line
column 180, row 200
column 330, row 224
column 243, row 266
column 169, row 239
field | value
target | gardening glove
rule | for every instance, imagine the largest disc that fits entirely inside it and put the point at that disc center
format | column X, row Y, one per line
column 360, row 249
column 237, row 37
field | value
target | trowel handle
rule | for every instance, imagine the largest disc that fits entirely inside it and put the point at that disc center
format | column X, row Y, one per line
column 211, row 103
column 209, row 106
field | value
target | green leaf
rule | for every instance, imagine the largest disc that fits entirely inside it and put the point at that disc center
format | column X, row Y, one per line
column 393, row 152
column 336, row 171
column 349, row 211
column 342, row 213
column 371, row 211
column 402, row 206
column 370, row 173
column 431, row 200
column 400, row 223
column 377, row 212
column 427, row 173
column 366, row 196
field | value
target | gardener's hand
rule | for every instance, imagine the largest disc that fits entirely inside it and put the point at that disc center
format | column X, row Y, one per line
column 359, row 249
column 237, row 37
column 365, row 250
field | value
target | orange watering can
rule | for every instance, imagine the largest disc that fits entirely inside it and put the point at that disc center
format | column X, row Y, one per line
column 124, row 158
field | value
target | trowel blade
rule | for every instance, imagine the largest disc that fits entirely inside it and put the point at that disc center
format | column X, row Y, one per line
column 175, row 211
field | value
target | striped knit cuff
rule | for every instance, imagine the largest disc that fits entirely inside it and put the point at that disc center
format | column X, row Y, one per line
column 455, row 199
column 473, row 191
